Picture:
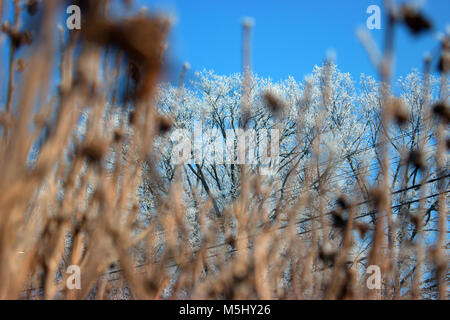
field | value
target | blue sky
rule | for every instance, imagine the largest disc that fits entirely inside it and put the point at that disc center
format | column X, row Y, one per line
column 289, row 37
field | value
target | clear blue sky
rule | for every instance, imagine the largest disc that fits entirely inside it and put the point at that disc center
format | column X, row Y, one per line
column 289, row 37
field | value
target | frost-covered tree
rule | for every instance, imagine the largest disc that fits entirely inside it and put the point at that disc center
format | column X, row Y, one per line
column 214, row 102
column 326, row 123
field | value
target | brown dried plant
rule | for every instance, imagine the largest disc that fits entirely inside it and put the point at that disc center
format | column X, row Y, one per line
column 72, row 199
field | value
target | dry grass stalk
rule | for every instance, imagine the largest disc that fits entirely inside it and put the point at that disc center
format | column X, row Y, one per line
column 77, row 200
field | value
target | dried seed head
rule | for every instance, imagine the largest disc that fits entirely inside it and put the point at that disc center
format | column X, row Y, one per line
column 444, row 59
column 132, row 117
column 25, row 38
column 127, row 3
column 32, row 7
column 151, row 285
column 444, row 62
column 326, row 255
column 186, row 66
column 88, row 7
column 17, row 38
column 230, row 240
column 248, row 22
column 401, row 117
column 140, row 38
column 414, row 20
column 79, row 224
column 20, row 65
column 94, row 151
column 272, row 102
column 241, row 272
column 164, row 124
column 414, row 220
column 347, row 290
column 338, row 221
column 343, row 202
column 442, row 110
column 118, row 135
column 416, row 158
column 399, row 111
column 134, row 72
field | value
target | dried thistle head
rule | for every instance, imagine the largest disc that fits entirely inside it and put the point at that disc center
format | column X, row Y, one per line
column 164, row 124
column 230, row 240
column 444, row 59
column 94, row 151
column 151, row 285
column 118, row 135
column 132, row 117
column 272, row 102
column 32, row 7
column 399, row 111
column 347, row 290
column 127, row 3
column 133, row 71
column 327, row 255
column 18, row 38
column 442, row 111
column 417, row 159
column 20, row 65
column 338, row 220
column 414, row 220
column 415, row 21
column 343, row 202
column 141, row 39
column 91, row 8
column 444, row 62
